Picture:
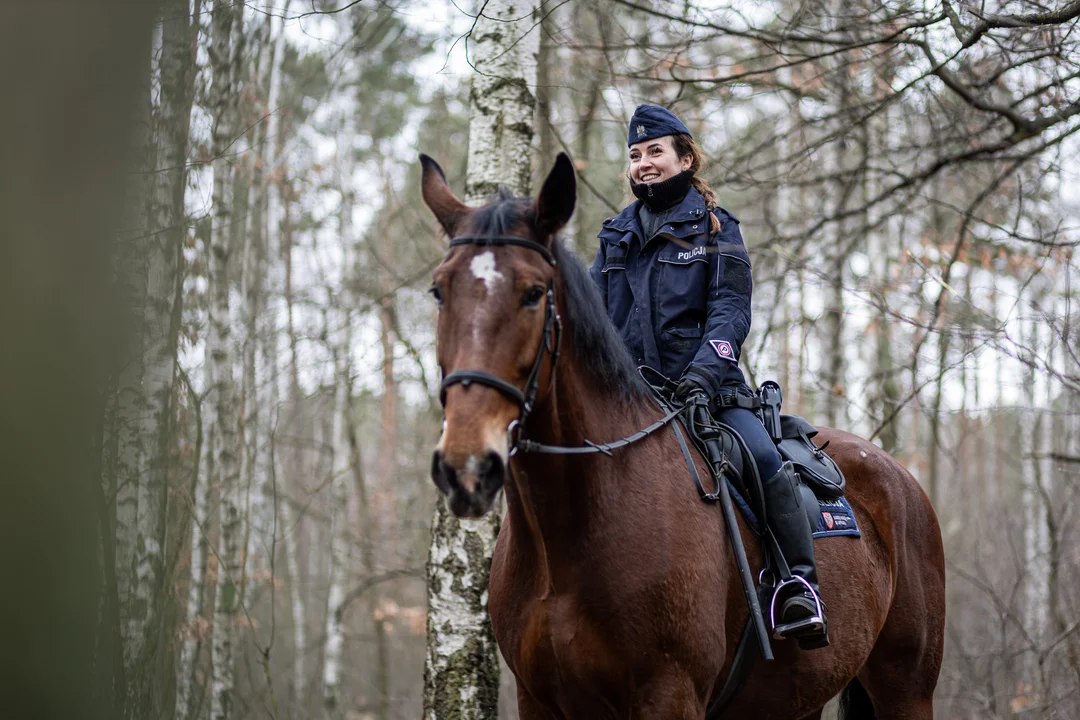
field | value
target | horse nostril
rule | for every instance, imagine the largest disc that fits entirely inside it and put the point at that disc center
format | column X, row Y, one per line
column 443, row 475
column 491, row 472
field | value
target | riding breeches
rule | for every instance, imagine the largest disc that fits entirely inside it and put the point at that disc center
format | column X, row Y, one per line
column 757, row 440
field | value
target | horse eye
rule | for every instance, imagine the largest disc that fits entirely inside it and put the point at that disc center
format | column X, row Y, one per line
column 434, row 290
column 532, row 296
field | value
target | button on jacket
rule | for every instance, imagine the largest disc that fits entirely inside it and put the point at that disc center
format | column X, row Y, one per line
column 680, row 299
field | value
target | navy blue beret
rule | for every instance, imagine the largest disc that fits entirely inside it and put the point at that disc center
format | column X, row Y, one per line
column 653, row 121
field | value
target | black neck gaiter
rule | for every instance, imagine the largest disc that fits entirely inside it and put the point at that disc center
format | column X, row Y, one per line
column 662, row 195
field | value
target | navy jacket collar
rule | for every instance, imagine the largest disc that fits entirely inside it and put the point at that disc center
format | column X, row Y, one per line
column 692, row 207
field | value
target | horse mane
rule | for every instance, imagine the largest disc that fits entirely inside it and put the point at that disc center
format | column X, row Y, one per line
column 597, row 346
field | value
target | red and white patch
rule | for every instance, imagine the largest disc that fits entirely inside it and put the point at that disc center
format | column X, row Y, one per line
column 827, row 517
column 723, row 349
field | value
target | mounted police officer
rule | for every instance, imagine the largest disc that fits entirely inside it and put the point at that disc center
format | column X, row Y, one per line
column 675, row 277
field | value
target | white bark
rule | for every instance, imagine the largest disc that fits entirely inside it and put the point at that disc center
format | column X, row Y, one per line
column 199, row 546
column 291, row 538
column 280, row 235
column 502, row 103
column 219, row 357
column 461, row 672
column 145, row 390
column 341, row 337
column 1036, row 444
column 335, row 637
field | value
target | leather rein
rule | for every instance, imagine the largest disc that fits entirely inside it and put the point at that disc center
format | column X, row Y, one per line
column 549, row 344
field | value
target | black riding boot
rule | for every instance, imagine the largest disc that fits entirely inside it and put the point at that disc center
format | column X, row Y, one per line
column 802, row 615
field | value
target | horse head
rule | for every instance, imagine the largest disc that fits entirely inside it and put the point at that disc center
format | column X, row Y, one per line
column 497, row 330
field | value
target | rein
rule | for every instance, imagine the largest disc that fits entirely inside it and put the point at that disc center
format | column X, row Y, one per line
column 550, row 343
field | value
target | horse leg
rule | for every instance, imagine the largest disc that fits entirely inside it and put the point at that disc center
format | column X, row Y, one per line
column 901, row 673
column 669, row 697
column 530, row 709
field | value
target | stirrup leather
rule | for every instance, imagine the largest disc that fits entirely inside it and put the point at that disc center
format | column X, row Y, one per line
column 814, row 625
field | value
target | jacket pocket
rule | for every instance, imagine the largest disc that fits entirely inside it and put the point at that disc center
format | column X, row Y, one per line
column 683, row 285
column 678, row 346
column 680, row 339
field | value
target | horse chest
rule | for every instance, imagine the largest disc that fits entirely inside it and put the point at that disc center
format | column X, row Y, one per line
column 560, row 654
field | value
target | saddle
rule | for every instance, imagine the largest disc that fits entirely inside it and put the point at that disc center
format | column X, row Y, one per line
column 820, row 478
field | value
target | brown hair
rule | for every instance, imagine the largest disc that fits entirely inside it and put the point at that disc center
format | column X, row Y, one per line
column 685, row 145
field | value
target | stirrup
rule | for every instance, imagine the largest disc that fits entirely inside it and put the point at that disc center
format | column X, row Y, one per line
column 811, row 632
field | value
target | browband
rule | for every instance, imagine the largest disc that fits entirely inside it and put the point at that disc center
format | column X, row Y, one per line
column 503, row 240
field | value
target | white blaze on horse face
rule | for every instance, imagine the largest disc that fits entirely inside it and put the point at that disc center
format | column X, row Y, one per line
column 483, row 267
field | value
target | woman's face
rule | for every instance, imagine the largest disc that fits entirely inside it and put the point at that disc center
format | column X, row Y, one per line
column 655, row 160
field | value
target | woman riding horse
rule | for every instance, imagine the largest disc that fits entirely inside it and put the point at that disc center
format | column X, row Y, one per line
column 675, row 277
column 614, row 593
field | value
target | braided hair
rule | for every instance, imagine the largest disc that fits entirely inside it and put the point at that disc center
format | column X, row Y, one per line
column 685, row 145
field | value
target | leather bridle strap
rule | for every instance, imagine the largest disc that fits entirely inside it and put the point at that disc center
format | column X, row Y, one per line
column 468, row 377
column 504, row 240
column 550, row 340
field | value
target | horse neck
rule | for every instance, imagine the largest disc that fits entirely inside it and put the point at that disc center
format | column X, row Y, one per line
column 555, row 501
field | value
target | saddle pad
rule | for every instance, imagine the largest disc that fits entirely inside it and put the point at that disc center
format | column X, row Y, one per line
column 836, row 518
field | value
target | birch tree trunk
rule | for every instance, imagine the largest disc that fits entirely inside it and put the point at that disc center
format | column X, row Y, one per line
column 142, row 608
column 123, row 445
column 291, row 536
column 219, row 357
column 461, row 672
column 341, row 337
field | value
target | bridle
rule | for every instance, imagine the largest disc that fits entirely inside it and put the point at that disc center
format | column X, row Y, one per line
column 550, row 341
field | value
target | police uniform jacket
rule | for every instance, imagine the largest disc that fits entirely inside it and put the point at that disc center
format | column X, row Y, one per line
column 680, row 299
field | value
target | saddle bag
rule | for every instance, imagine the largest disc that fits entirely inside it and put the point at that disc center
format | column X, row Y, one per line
column 816, row 469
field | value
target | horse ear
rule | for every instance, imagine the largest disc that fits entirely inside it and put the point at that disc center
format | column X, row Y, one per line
column 555, row 204
column 438, row 196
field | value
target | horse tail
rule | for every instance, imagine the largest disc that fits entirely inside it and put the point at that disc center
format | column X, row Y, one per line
column 855, row 703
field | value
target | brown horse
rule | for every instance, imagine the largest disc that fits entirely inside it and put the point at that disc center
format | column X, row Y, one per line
column 614, row 592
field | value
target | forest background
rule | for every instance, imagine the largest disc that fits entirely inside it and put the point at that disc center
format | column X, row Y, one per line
column 219, row 390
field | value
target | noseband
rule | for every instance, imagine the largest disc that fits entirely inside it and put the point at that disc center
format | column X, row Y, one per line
column 550, row 340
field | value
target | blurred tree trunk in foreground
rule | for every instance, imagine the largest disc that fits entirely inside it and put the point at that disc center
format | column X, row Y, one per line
column 66, row 147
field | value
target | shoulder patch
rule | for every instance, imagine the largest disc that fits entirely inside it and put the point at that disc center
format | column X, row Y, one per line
column 724, row 350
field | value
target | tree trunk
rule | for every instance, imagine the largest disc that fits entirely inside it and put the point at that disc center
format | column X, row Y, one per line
column 547, row 55
column 219, row 357
column 461, row 673
column 291, row 535
column 341, row 339
column 834, row 342
column 146, row 643
column 124, row 445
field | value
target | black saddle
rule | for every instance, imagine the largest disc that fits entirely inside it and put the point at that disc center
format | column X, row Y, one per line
column 819, row 476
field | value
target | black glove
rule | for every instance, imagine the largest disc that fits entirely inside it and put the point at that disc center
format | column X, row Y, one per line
column 695, row 404
column 688, row 388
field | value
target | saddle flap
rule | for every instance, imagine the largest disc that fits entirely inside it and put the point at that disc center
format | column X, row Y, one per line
column 792, row 426
column 816, row 469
